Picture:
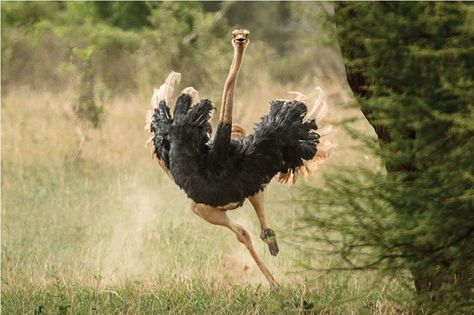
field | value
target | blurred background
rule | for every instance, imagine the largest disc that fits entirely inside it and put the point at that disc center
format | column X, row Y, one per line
column 130, row 46
column 83, row 204
column 91, row 224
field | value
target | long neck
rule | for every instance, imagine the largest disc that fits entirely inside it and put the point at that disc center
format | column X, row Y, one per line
column 229, row 87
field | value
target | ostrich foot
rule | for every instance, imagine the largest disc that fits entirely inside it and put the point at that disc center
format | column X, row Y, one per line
column 269, row 237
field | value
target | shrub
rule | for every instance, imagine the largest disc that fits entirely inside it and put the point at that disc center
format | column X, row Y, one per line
column 410, row 67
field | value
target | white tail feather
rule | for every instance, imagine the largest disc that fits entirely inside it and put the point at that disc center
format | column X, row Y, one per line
column 300, row 97
column 192, row 92
column 325, row 130
column 323, row 110
column 310, row 115
column 149, row 143
column 326, row 146
column 166, row 90
column 148, row 119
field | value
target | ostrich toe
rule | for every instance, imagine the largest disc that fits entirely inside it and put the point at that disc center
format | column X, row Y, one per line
column 269, row 237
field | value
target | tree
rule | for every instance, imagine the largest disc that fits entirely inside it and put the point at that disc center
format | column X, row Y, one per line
column 124, row 14
column 410, row 66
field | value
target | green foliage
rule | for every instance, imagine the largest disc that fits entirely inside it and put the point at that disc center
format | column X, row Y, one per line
column 126, row 14
column 186, row 43
column 410, row 66
column 138, row 43
column 294, row 36
column 27, row 14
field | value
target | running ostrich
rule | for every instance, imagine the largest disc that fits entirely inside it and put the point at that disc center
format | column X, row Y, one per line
column 219, row 174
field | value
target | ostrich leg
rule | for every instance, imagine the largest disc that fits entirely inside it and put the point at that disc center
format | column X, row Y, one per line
column 219, row 217
column 267, row 234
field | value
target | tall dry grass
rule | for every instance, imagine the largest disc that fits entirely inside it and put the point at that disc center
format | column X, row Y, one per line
column 102, row 217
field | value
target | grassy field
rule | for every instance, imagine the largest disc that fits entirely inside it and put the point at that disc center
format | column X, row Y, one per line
column 101, row 230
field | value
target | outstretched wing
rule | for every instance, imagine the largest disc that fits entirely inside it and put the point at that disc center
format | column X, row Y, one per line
column 282, row 140
column 287, row 140
column 298, row 159
column 159, row 125
column 189, row 126
column 159, row 120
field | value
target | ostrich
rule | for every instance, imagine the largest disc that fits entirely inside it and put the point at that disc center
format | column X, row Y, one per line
column 219, row 174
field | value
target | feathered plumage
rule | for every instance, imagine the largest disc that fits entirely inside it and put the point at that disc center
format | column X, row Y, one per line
column 224, row 170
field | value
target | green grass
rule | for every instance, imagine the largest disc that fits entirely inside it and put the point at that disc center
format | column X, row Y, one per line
column 189, row 297
column 193, row 297
column 110, row 234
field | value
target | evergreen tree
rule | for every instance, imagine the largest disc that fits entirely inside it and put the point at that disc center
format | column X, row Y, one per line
column 411, row 68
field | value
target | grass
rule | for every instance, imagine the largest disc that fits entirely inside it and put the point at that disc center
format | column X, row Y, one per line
column 187, row 297
column 109, row 233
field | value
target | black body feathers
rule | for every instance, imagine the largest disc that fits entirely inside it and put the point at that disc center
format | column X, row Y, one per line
column 225, row 170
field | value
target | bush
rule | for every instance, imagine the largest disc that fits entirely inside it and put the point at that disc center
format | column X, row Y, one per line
column 409, row 65
column 139, row 43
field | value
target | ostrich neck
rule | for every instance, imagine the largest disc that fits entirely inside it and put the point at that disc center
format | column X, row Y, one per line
column 229, row 87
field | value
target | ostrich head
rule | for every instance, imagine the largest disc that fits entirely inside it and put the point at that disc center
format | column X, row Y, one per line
column 240, row 38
